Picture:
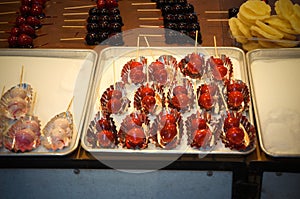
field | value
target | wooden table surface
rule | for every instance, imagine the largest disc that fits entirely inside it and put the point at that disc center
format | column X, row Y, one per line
column 55, row 9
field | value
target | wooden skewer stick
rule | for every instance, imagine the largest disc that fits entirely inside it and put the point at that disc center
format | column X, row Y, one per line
column 71, row 39
column 150, row 26
column 216, row 20
column 3, row 40
column 150, row 18
column 70, row 103
column 74, row 20
column 22, row 73
column 216, row 12
column 4, row 22
column 143, row 4
column 73, row 26
column 149, row 10
column 215, row 45
column 8, row 13
column 148, row 45
column 114, row 73
column 31, row 111
column 79, row 7
column 196, row 95
column 75, row 13
column 10, row 2
column 137, row 48
column 147, row 71
column 196, row 42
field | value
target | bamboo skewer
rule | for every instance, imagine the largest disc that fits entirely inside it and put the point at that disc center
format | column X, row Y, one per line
column 114, row 74
column 9, row 12
column 73, row 26
column 137, row 48
column 31, row 111
column 75, row 13
column 216, row 12
column 71, row 39
column 215, row 45
column 217, row 20
column 150, row 26
column 10, row 2
column 149, row 10
column 143, row 4
column 70, row 103
column 79, row 7
column 150, row 18
column 21, row 75
column 147, row 71
column 74, row 20
column 196, row 42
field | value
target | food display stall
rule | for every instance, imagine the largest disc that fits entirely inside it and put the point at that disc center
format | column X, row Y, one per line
column 119, row 107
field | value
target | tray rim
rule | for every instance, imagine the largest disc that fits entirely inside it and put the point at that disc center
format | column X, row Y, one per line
column 51, row 53
column 199, row 152
column 255, row 108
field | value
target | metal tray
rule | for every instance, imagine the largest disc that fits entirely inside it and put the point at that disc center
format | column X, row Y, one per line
column 274, row 79
column 56, row 75
column 121, row 55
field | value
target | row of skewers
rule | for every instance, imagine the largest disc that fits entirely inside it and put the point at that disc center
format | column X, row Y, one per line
column 179, row 20
column 195, row 101
column 27, row 22
column 20, row 128
column 103, row 24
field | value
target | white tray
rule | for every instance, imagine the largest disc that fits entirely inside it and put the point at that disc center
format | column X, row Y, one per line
column 119, row 56
column 56, row 75
column 274, row 78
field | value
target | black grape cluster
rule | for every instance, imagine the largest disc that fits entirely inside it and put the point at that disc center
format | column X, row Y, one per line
column 104, row 24
column 180, row 21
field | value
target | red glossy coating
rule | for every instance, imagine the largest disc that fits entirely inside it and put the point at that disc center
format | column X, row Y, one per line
column 168, row 132
column 136, row 64
column 105, row 138
column 235, row 99
column 161, row 76
column 198, row 123
column 103, row 124
column 136, row 75
column 201, row 137
column 135, row 138
column 180, row 101
column 148, row 102
column 15, row 31
column 168, row 119
column 230, row 122
column 206, row 101
column 157, row 65
column 235, row 135
column 36, row 10
column 20, row 20
column 147, row 91
column 25, row 40
column 235, row 87
column 114, row 94
column 180, row 90
column 222, row 70
column 114, row 105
